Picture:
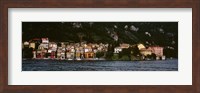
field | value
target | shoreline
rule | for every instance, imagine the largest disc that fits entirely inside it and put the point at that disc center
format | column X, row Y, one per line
column 94, row 60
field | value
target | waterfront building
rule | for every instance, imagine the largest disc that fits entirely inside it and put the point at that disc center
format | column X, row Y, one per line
column 117, row 49
column 141, row 46
column 78, row 53
column 145, row 51
column 53, row 55
column 62, row 56
column 157, row 50
column 70, row 52
column 45, row 40
column 69, row 55
column 120, row 47
column 88, row 52
column 32, row 45
column 26, row 44
column 43, row 46
column 41, row 53
column 60, row 53
column 123, row 45
column 52, row 46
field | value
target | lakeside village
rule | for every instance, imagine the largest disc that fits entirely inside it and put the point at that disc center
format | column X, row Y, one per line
column 42, row 48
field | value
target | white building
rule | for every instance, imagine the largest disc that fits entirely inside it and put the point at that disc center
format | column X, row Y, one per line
column 43, row 46
column 117, row 49
column 45, row 40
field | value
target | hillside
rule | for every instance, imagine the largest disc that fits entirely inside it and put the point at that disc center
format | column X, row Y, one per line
column 156, row 33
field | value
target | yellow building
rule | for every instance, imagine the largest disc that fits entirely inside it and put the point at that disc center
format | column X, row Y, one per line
column 78, row 54
column 89, row 55
column 146, row 52
column 32, row 45
column 141, row 46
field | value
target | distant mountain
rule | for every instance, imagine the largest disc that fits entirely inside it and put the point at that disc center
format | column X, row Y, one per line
column 149, row 33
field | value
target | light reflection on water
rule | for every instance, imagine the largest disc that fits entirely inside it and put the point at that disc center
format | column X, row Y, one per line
column 63, row 65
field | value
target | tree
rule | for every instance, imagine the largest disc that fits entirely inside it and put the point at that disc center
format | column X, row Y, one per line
column 99, row 54
column 149, row 56
column 80, row 35
column 125, row 52
column 153, row 55
column 109, row 55
column 59, row 44
column 27, row 52
column 125, row 58
column 135, row 51
column 170, row 53
column 110, row 51
column 115, row 57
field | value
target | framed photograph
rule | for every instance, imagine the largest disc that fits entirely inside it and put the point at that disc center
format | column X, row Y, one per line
column 99, row 46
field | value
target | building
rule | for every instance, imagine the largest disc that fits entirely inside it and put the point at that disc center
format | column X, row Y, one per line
column 41, row 53
column 124, row 45
column 26, row 44
column 88, row 52
column 70, row 52
column 78, row 53
column 61, row 53
column 145, row 51
column 117, row 49
column 89, row 55
column 53, row 46
column 141, row 46
column 45, row 40
column 43, row 46
column 158, row 51
column 32, row 45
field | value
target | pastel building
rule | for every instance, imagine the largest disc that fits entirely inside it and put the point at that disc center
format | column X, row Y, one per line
column 61, row 53
column 124, row 45
column 45, row 40
column 70, row 52
column 52, row 49
column 145, row 51
column 157, row 50
column 88, row 52
column 141, row 46
column 32, row 45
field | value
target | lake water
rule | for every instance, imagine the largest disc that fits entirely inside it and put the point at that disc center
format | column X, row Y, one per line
column 64, row 65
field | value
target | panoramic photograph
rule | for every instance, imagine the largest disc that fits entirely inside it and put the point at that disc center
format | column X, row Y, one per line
column 99, row 46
